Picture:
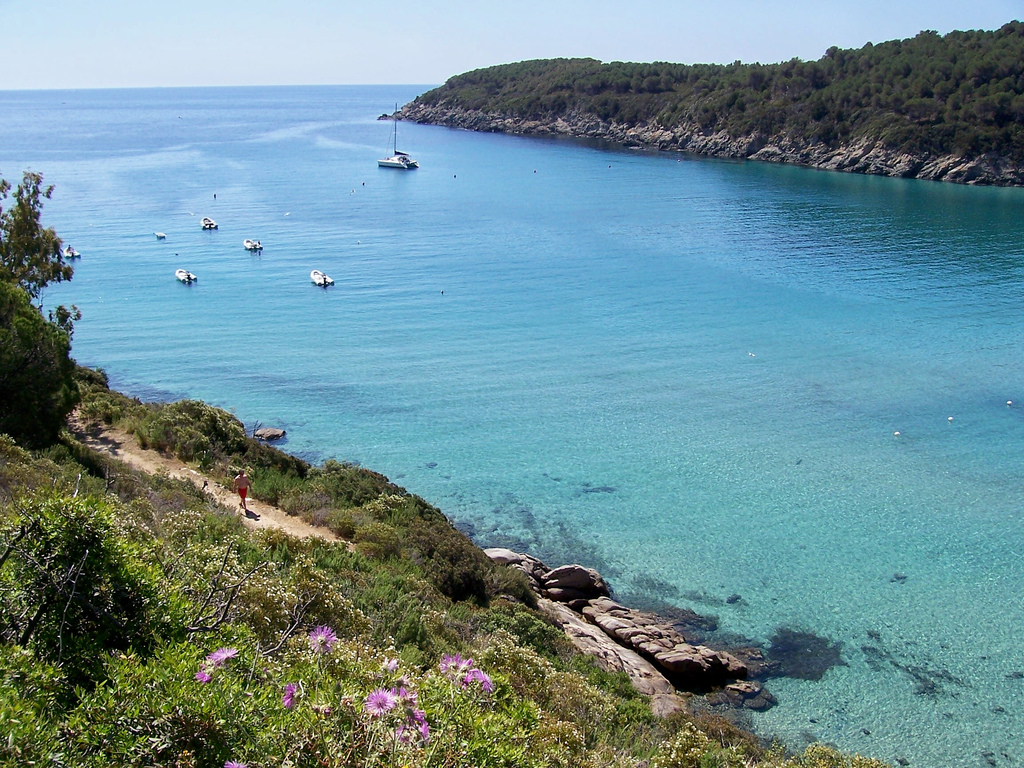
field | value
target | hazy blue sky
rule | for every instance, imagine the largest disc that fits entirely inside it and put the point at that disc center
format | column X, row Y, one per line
column 114, row 43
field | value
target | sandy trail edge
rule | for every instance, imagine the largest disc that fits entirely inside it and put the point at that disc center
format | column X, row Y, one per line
column 124, row 447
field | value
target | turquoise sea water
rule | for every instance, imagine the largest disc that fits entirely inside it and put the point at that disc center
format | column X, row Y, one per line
column 684, row 372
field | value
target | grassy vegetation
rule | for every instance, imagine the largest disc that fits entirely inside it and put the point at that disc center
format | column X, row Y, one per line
column 962, row 93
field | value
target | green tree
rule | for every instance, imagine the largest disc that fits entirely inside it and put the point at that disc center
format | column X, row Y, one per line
column 30, row 254
column 37, row 384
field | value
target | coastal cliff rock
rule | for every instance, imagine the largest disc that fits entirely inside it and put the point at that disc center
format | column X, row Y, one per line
column 531, row 566
column 654, row 654
column 612, row 657
column 863, row 156
column 694, row 667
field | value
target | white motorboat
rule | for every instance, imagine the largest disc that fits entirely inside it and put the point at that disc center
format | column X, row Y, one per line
column 209, row 223
column 185, row 276
column 320, row 279
column 160, row 235
column 71, row 253
column 252, row 245
column 397, row 159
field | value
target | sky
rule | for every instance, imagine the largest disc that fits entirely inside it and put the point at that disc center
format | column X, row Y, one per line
column 119, row 43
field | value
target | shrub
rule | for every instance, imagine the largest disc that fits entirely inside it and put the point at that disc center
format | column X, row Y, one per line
column 37, row 383
column 190, row 428
column 342, row 522
column 378, row 540
column 456, row 565
column 29, row 695
column 73, row 589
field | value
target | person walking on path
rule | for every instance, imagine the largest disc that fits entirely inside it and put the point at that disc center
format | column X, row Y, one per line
column 242, row 484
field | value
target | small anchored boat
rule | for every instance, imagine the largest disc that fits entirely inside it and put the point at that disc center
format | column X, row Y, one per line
column 71, row 253
column 185, row 276
column 160, row 235
column 252, row 245
column 320, row 279
column 397, row 159
column 209, row 223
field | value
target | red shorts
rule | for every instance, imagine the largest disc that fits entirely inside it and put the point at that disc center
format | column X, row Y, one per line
column 242, row 492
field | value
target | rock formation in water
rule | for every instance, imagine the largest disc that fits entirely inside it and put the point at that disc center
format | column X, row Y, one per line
column 653, row 653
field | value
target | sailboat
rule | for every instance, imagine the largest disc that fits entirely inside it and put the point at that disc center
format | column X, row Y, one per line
column 398, row 159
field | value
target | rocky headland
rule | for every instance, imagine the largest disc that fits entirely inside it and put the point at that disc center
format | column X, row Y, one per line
column 866, row 156
column 657, row 656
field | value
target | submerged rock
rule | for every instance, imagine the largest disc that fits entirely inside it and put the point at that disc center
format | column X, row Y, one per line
column 803, row 655
column 748, row 694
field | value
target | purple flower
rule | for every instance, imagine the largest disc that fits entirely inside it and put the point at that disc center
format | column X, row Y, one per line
column 233, row 764
column 419, row 717
column 424, row 732
column 405, row 696
column 222, row 656
column 379, row 702
column 288, row 699
column 478, row 676
column 454, row 663
column 322, row 638
column 403, row 734
column 391, row 665
column 203, row 676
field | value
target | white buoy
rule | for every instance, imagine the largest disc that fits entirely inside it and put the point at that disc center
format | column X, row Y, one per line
column 1009, row 402
column 895, row 434
column 950, row 419
column 751, row 354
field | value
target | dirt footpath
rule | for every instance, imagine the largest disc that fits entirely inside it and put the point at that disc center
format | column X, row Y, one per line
column 126, row 448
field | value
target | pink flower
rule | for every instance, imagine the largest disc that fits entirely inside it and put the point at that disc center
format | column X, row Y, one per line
column 203, row 676
column 391, row 665
column 403, row 734
column 288, row 699
column 405, row 696
column 424, row 732
column 233, row 764
column 222, row 656
column 379, row 702
column 478, row 676
column 455, row 663
column 322, row 638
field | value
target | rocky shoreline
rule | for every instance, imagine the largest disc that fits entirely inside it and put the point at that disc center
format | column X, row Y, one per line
column 863, row 156
column 658, row 658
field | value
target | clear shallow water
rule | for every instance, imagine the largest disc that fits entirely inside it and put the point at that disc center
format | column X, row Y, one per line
column 686, row 373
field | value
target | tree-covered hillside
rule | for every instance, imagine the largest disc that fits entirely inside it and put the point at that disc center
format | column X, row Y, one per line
column 960, row 94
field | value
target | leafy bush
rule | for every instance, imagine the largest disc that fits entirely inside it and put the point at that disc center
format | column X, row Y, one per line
column 190, row 428
column 378, row 540
column 37, row 383
column 73, row 589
